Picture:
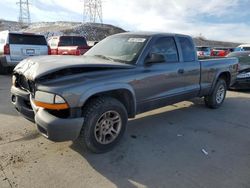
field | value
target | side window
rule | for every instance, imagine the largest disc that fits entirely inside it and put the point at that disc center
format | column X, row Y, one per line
column 167, row 47
column 187, row 48
column 2, row 41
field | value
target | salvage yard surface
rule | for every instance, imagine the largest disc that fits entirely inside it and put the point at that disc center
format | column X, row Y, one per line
column 182, row 145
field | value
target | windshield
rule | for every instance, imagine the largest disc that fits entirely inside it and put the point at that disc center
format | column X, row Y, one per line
column 123, row 48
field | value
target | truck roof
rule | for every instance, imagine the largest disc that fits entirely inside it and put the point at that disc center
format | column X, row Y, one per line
column 149, row 33
column 244, row 45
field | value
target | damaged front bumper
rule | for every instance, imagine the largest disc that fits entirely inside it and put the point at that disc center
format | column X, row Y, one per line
column 52, row 127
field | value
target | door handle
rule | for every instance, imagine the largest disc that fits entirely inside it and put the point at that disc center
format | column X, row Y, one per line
column 181, row 71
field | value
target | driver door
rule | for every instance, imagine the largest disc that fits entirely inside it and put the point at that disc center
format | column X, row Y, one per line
column 162, row 82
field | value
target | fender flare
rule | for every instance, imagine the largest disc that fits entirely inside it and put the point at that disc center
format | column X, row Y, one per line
column 105, row 88
column 217, row 77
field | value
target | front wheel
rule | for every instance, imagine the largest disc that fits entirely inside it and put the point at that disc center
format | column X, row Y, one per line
column 217, row 97
column 105, row 120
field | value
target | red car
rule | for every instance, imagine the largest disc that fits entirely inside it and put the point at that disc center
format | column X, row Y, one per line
column 220, row 52
column 68, row 45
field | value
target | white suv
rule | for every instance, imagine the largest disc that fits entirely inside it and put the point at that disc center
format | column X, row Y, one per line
column 16, row 46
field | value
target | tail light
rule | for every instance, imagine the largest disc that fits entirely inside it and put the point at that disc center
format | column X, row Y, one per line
column 78, row 52
column 49, row 50
column 6, row 49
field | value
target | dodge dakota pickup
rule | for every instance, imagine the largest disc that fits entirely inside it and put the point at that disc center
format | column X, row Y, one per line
column 90, row 98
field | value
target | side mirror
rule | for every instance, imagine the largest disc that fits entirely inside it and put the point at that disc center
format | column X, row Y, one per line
column 155, row 58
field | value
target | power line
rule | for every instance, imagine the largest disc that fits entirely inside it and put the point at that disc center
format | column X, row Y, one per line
column 92, row 11
column 24, row 12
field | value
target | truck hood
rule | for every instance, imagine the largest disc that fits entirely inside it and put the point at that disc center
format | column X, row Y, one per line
column 37, row 67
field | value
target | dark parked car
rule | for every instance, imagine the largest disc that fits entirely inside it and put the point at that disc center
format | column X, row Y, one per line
column 243, row 78
column 91, row 97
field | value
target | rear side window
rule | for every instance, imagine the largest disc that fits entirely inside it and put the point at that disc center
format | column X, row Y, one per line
column 166, row 46
column 27, row 39
column 187, row 49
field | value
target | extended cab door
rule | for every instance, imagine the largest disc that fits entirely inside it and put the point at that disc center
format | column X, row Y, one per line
column 162, row 82
column 190, row 67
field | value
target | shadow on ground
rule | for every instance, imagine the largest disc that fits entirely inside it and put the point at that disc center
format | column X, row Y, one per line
column 166, row 149
column 5, row 97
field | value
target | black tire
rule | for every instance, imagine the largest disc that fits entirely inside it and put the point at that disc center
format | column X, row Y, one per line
column 94, row 110
column 3, row 70
column 214, row 101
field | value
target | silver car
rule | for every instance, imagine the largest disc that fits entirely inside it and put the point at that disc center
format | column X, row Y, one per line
column 16, row 46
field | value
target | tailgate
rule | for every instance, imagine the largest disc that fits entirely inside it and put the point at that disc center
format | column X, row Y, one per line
column 25, row 45
column 19, row 52
column 71, row 50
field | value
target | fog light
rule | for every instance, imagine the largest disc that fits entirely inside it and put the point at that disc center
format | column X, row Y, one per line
column 13, row 98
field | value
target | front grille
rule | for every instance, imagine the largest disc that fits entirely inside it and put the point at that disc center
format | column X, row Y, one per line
column 23, row 83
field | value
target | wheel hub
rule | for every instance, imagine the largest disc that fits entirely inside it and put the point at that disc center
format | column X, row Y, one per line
column 220, row 94
column 108, row 127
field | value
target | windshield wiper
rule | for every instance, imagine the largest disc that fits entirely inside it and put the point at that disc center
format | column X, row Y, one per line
column 104, row 57
column 111, row 59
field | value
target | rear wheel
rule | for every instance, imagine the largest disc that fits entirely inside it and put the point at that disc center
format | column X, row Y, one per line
column 217, row 97
column 105, row 120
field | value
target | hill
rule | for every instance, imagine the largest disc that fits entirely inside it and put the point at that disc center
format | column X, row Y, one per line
column 92, row 31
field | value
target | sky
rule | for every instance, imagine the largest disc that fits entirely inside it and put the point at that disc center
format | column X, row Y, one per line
column 227, row 20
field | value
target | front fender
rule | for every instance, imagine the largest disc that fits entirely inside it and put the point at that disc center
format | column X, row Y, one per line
column 105, row 88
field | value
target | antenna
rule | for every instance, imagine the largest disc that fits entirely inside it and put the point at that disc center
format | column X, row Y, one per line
column 92, row 11
column 24, row 12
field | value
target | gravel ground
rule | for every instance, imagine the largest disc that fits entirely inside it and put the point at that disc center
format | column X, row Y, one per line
column 183, row 145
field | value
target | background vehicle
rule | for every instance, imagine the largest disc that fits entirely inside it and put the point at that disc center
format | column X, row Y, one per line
column 220, row 52
column 68, row 45
column 91, row 97
column 243, row 47
column 203, row 51
column 16, row 46
column 243, row 78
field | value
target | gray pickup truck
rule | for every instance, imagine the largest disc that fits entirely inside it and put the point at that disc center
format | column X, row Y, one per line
column 91, row 97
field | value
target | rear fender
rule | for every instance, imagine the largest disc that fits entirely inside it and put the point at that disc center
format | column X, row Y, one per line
column 217, row 78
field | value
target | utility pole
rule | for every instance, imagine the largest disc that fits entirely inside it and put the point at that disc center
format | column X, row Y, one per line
column 92, row 11
column 24, row 12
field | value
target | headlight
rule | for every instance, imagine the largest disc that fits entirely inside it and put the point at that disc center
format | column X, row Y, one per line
column 243, row 75
column 44, row 97
column 50, row 101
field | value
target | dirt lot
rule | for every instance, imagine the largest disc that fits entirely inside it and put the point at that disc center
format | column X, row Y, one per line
column 162, row 148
